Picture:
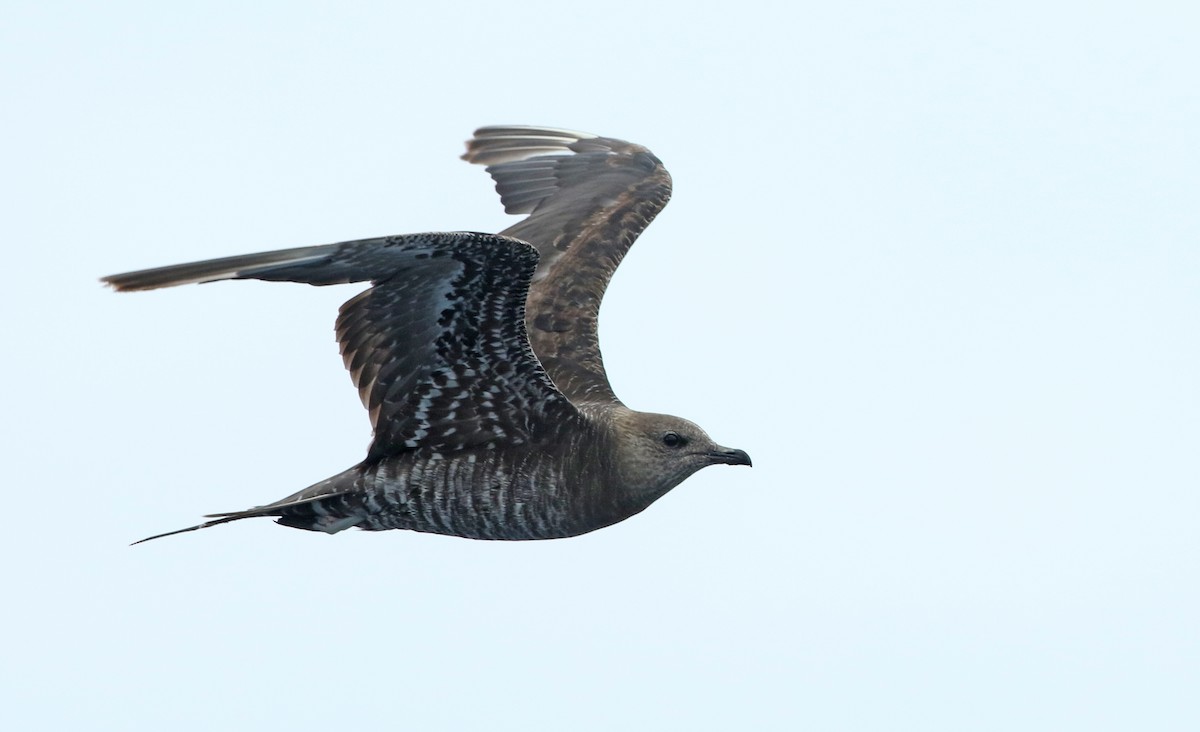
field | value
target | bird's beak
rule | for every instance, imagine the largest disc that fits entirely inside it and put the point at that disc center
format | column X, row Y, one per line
column 729, row 456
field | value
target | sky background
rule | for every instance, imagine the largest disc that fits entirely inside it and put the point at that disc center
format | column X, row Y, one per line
column 935, row 266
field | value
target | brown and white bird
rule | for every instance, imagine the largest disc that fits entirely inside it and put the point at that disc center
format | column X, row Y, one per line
column 477, row 358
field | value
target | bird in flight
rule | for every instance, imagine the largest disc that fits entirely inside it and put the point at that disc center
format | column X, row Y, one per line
column 477, row 358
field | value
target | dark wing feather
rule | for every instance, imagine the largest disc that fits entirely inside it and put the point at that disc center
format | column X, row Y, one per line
column 588, row 199
column 436, row 347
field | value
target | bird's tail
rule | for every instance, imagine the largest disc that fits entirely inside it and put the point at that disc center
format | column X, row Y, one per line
column 224, row 519
column 301, row 513
column 330, row 506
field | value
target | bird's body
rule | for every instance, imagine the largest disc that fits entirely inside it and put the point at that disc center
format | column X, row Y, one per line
column 541, row 492
column 477, row 357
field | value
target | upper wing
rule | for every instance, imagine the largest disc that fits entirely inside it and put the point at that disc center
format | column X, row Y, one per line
column 437, row 346
column 587, row 198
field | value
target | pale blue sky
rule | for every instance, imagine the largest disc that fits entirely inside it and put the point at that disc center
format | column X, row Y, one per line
column 935, row 266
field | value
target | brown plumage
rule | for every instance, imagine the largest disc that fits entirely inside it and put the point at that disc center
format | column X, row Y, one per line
column 477, row 358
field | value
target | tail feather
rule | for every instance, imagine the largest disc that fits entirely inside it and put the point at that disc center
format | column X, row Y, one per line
column 281, row 510
column 205, row 525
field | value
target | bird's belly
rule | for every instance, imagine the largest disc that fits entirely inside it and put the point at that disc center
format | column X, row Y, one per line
column 474, row 496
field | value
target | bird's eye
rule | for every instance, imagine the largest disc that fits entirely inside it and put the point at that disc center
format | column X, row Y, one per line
column 674, row 439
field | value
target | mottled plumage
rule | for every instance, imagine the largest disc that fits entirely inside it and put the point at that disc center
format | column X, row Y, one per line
column 476, row 356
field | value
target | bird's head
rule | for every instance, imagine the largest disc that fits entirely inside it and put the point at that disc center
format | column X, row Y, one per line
column 657, row 452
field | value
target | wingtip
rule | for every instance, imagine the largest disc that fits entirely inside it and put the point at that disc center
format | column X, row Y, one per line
column 505, row 143
column 112, row 282
column 531, row 130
